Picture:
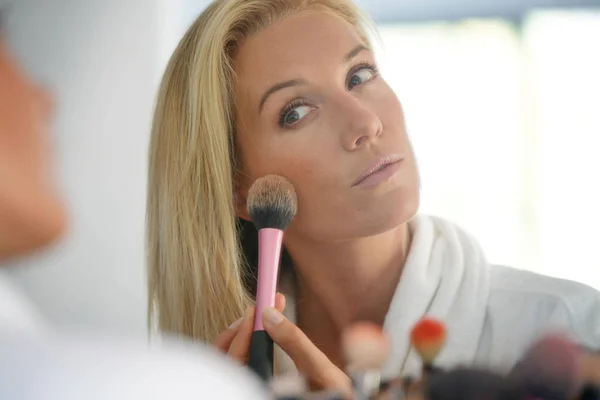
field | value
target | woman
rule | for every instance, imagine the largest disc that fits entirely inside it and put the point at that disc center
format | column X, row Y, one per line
column 291, row 87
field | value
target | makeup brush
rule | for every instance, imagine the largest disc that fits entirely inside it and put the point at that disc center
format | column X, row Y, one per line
column 466, row 384
column 590, row 368
column 272, row 204
column 365, row 347
column 428, row 337
column 289, row 387
column 589, row 373
column 550, row 369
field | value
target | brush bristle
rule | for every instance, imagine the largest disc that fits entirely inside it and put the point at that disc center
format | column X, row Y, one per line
column 289, row 386
column 365, row 346
column 550, row 369
column 428, row 337
column 272, row 202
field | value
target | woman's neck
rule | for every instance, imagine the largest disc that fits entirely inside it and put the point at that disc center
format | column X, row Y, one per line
column 346, row 282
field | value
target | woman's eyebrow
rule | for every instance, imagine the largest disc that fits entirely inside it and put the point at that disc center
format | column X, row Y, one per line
column 355, row 51
column 294, row 82
column 275, row 88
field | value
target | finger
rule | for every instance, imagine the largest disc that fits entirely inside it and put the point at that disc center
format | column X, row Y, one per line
column 280, row 302
column 240, row 344
column 308, row 358
column 224, row 339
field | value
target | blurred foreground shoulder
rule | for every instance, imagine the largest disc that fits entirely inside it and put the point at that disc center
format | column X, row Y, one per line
column 102, row 368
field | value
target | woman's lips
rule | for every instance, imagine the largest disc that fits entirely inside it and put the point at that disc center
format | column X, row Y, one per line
column 380, row 171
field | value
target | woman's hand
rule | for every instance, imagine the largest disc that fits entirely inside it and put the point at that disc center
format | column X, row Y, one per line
column 309, row 360
column 235, row 340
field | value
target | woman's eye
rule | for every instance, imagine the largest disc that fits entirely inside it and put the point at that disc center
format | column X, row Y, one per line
column 294, row 115
column 361, row 76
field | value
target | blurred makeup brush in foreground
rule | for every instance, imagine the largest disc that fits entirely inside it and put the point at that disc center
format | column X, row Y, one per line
column 428, row 337
column 549, row 369
column 555, row 368
column 366, row 348
column 272, row 204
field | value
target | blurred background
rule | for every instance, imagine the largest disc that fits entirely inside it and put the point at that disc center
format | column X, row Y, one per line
column 502, row 100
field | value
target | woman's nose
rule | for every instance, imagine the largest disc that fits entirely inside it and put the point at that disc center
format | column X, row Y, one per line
column 362, row 126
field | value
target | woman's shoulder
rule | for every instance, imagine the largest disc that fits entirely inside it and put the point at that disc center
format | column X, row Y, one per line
column 516, row 283
column 524, row 305
column 528, row 299
column 101, row 367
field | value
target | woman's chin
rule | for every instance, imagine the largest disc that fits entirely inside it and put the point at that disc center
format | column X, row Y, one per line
column 385, row 217
column 384, row 220
column 340, row 224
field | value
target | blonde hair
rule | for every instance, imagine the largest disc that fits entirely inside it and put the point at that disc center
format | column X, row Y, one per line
column 196, row 266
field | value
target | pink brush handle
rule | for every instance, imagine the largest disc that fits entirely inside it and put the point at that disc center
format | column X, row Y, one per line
column 269, row 251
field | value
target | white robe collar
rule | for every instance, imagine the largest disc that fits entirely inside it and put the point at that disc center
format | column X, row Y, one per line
column 445, row 276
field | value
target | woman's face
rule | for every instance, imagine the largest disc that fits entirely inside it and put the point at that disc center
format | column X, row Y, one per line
column 31, row 214
column 311, row 107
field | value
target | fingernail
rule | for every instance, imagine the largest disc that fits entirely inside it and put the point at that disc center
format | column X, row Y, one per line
column 236, row 323
column 272, row 316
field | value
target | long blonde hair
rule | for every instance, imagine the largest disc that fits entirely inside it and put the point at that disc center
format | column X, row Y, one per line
column 196, row 266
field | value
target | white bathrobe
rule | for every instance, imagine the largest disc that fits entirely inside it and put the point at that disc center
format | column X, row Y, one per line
column 492, row 312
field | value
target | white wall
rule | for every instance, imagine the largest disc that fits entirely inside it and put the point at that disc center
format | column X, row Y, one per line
column 395, row 10
column 525, row 102
column 102, row 60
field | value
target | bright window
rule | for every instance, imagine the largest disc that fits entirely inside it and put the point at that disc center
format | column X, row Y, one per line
column 505, row 120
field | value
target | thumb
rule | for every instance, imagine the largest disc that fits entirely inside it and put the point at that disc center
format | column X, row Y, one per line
column 307, row 357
